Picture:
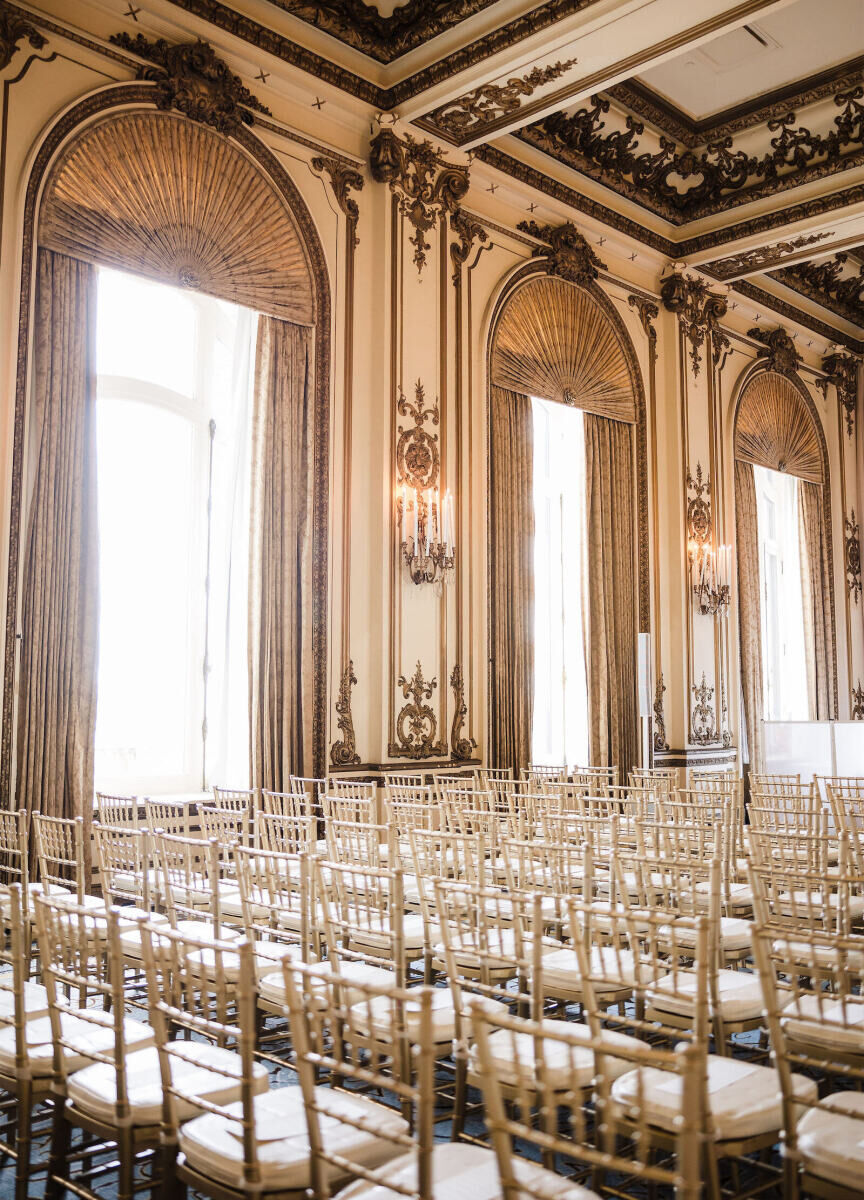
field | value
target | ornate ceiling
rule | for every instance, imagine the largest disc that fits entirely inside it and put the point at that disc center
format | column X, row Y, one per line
column 729, row 136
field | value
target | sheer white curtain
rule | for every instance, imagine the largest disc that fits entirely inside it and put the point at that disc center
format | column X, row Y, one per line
column 560, row 723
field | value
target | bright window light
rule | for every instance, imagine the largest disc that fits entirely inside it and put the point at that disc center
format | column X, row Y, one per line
column 560, row 722
column 173, row 406
column 783, row 653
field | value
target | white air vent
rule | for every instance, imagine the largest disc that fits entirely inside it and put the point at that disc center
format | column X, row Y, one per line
column 745, row 44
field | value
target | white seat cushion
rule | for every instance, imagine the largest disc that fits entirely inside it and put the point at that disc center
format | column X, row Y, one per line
column 744, row 1099
column 213, row 1144
column 86, row 1037
column 94, row 1089
column 513, row 1056
column 561, row 970
column 735, row 934
column 33, row 889
column 271, row 987
column 369, row 939
column 824, row 955
column 35, row 1000
column 130, row 939
column 267, row 959
column 831, row 1144
column 379, row 1011
column 461, row 1172
column 834, row 1025
column 231, row 904
column 739, row 995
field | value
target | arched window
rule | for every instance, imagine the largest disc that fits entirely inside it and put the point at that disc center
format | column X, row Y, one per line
column 565, row 388
column 786, row 597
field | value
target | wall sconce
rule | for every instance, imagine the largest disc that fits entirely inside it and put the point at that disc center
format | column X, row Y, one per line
column 710, row 572
column 428, row 549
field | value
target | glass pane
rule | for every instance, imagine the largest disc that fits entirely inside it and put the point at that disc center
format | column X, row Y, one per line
column 150, row 581
column 147, row 331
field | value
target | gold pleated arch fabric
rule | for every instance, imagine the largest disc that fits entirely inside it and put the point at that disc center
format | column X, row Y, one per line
column 136, row 191
column 555, row 341
column 775, row 428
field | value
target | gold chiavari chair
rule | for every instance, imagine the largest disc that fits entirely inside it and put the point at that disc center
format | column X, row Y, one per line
column 777, row 784
column 128, row 879
column 104, row 1071
column 813, row 985
column 175, row 817
column 485, row 777
column 439, row 856
column 117, row 810
column 360, row 842
column 787, row 897
column 346, row 808
column 286, row 804
column 15, row 862
column 443, row 781
column 406, row 779
column 214, row 1096
column 567, row 1143
column 236, row 799
column 192, row 889
column 595, row 780
column 537, row 775
column 662, row 780
column 387, row 1147
column 286, row 833
column 22, row 1003
column 62, row 861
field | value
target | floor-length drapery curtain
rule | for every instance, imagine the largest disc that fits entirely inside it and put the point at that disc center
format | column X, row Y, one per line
column 815, row 582
column 511, row 574
column 749, row 609
column 611, row 583
column 60, row 602
column 280, row 557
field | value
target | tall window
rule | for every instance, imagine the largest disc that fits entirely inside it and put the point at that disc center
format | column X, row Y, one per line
column 560, row 723
column 783, row 655
column 173, row 407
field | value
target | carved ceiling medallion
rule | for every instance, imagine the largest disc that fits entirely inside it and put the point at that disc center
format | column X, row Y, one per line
column 193, row 80
column 426, row 184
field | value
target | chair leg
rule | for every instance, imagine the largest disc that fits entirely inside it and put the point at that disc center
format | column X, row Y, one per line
column 460, row 1089
column 23, row 1141
column 58, row 1159
column 126, row 1172
column 712, row 1175
column 172, row 1188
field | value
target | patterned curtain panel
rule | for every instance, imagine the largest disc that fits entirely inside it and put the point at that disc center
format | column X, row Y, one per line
column 511, row 580
column 555, row 341
column 774, row 428
column 749, row 610
column 136, row 191
column 612, row 570
column 280, row 557
column 816, row 585
column 60, row 581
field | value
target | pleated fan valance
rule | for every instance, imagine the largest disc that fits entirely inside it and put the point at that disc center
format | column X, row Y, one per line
column 158, row 194
column 555, row 341
column 776, row 429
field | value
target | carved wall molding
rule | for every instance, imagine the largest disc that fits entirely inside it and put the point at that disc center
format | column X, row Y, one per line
column 852, row 556
column 660, row 742
column 648, row 312
column 699, row 520
column 469, row 231
column 681, row 184
column 343, row 753
column 569, row 254
column 743, row 287
column 418, row 459
column 762, row 257
column 699, row 311
column 469, row 114
column 460, row 747
column 343, row 179
column 192, row 79
column 426, row 184
column 778, row 350
column 858, row 702
column 14, row 28
column 842, row 371
column 828, row 284
column 704, row 731
column 416, row 724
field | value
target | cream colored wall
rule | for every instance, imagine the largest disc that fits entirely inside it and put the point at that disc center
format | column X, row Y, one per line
column 411, row 325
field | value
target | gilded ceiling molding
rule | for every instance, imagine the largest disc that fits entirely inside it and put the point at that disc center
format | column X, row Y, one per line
column 567, row 252
column 704, row 730
column 699, row 312
column 343, row 178
column 193, row 80
column 778, row 351
column 416, row 724
column 14, row 29
column 712, row 181
column 343, row 753
column 427, row 186
column 461, row 747
column 858, row 703
column 461, row 118
column 743, row 287
column 762, row 257
column 853, row 557
column 842, row 371
column 469, row 231
column 826, row 283
column 660, row 742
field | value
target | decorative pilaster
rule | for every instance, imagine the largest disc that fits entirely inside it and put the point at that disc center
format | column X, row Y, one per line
column 343, row 753
column 660, row 742
column 461, row 747
column 853, row 557
column 699, row 312
column 703, row 722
